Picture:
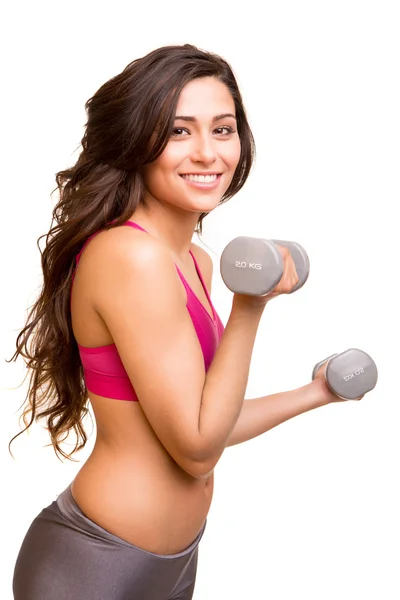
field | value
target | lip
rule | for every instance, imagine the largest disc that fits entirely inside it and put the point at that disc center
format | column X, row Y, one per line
column 205, row 186
column 202, row 173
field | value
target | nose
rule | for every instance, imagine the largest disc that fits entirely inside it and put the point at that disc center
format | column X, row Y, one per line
column 203, row 150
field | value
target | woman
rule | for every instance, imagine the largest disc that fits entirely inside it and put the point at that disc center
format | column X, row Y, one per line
column 125, row 321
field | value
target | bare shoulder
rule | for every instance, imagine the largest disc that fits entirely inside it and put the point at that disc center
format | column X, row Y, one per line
column 113, row 251
column 123, row 260
column 205, row 263
column 119, row 245
column 123, row 242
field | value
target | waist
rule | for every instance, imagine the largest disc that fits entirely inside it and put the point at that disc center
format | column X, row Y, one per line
column 151, row 505
column 71, row 511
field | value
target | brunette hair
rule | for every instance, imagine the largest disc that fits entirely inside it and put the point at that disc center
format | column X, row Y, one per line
column 129, row 123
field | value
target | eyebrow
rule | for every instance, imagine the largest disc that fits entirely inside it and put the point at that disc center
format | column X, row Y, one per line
column 216, row 118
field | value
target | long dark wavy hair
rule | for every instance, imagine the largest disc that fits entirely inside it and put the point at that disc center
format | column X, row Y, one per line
column 129, row 123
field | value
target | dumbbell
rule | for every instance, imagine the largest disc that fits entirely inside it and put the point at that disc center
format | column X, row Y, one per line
column 350, row 374
column 254, row 266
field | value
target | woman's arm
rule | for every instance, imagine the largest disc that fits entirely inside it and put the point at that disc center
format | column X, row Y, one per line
column 262, row 414
column 259, row 415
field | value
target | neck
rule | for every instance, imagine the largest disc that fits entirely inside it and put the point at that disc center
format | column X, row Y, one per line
column 171, row 225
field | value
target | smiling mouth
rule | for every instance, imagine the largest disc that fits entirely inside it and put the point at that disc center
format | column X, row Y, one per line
column 201, row 178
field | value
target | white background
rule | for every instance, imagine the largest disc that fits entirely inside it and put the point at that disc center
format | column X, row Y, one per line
column 309, row 510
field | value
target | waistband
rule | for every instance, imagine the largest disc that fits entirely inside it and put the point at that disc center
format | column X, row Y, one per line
column 71, row 511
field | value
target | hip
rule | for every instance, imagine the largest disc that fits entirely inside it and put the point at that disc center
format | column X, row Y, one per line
column 67, row 555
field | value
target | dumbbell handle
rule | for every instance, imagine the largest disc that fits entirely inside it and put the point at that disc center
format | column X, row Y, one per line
column 300, row 259
column 350, row 374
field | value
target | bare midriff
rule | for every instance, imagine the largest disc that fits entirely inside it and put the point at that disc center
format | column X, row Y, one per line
column 131, row 486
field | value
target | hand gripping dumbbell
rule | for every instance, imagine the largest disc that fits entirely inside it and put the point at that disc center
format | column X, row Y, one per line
column 350, row 374
column 254, row 266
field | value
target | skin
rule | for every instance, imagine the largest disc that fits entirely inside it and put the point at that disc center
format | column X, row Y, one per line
column 171, row 207
column 130, row 484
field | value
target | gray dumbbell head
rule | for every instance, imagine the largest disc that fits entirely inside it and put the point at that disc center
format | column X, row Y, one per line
column 350, row 374
column 300, row 259
column 251, row 266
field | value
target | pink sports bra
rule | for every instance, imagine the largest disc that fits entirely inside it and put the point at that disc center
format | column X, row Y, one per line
column 103, row 370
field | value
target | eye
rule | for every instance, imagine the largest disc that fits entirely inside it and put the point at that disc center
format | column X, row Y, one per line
column 177, row 132
column 228, row 130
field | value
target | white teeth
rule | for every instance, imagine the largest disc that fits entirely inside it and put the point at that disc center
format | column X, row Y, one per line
column 200, row 178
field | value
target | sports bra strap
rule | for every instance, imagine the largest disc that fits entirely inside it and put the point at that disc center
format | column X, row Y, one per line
column 135, row 225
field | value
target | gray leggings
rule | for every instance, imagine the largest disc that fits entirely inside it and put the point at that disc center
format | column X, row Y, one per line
column 66, row 556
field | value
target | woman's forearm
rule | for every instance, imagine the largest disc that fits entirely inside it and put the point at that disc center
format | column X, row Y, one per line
column 225, row 384
column 262, row 414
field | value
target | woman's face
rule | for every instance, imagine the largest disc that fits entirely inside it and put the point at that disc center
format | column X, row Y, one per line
column 197, row 165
